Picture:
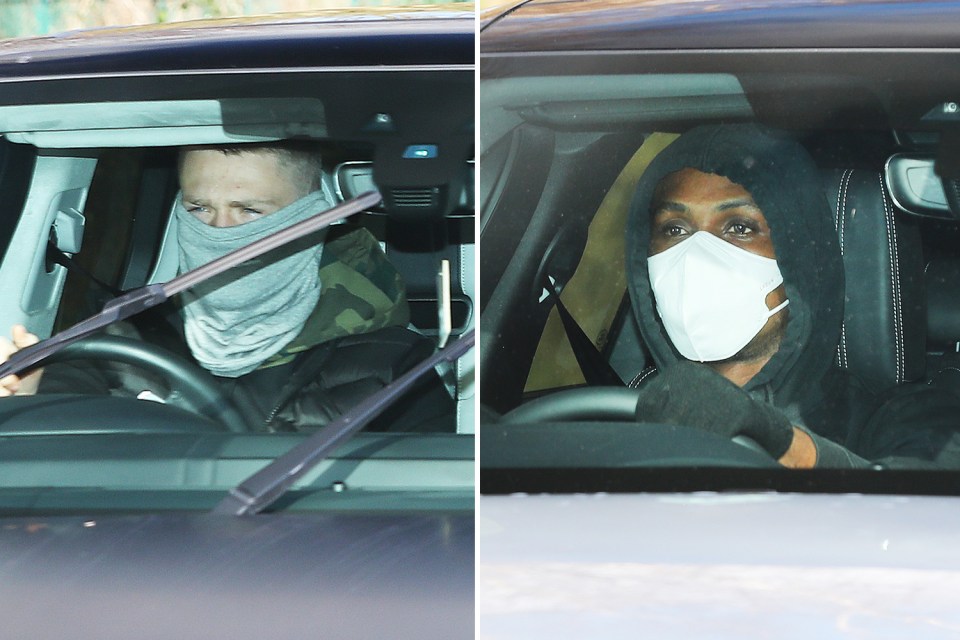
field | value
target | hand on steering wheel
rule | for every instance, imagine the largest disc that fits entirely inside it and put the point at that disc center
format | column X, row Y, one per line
column 195, row 389
column 688, row 395
column 693, row 394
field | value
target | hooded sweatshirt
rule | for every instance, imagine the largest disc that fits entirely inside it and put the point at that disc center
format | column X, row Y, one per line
column 800, row 379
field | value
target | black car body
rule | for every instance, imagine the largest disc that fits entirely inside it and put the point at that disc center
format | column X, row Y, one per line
column 676, row 535
column 106, row 501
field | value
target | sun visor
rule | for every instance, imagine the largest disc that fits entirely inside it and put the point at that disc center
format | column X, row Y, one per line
column 162, row 123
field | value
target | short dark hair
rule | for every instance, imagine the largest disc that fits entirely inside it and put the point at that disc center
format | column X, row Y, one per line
column 302, row 157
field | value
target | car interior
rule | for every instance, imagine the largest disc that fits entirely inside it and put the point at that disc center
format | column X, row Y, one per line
column 90, row 189
column 561, row 157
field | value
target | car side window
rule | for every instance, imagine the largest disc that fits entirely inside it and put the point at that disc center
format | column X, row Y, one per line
column 16, row 169
column 125, row 214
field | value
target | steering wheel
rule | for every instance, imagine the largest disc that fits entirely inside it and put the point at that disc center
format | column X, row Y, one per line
column 194, row 388
column 606, row 404
column 596, row 404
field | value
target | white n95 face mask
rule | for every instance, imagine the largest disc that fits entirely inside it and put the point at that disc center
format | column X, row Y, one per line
column 711, row 295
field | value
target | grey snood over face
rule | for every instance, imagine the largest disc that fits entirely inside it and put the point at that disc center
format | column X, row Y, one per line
column 234, row 322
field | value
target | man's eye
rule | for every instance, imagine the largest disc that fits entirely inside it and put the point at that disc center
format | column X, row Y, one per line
column 252, row 212
column 673, row 230
column 195, row 209
column 740, row 229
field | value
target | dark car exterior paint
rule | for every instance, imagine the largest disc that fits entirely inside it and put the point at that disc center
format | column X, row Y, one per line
column 191, row 576
column 794, row 565
column 379, row 571
column 601, row 25
column 422, row 38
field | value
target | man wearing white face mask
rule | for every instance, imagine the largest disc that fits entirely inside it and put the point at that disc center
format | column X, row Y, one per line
column 296, row 337
column 736, row 282
column 710, row 250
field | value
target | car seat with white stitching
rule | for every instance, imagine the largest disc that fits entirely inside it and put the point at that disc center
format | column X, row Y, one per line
column 883, row 341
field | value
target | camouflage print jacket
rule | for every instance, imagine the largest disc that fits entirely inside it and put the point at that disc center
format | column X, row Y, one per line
column 360, row 293
column 354, row 343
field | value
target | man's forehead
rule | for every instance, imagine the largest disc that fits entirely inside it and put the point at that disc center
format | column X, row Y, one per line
column 693, row 183
column 229, row 153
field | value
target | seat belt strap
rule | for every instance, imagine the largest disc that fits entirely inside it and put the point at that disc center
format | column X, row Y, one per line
column 597, row 288
column 56, row 256
column 595, row 368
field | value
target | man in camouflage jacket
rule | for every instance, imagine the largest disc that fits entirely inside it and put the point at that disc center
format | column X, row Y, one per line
column 328, row 322
column 354, row 343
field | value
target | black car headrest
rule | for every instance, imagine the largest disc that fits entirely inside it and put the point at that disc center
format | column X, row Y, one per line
column 884, row 330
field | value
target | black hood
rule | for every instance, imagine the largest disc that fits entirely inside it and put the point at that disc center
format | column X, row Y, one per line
column 785, row 184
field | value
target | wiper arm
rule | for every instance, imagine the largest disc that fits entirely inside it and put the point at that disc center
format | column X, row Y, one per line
column 260, row 490
column 133, row 302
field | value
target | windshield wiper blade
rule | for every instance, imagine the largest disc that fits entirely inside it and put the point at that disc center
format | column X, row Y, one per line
column 133, row 302
column 260, row 490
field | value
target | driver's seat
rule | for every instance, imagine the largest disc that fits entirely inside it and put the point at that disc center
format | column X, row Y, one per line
column 883, row 341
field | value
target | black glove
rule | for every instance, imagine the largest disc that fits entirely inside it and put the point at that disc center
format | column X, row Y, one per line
column 693, row 395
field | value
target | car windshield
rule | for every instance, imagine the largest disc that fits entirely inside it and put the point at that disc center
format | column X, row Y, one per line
column 714, row 268
column 126, row 167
